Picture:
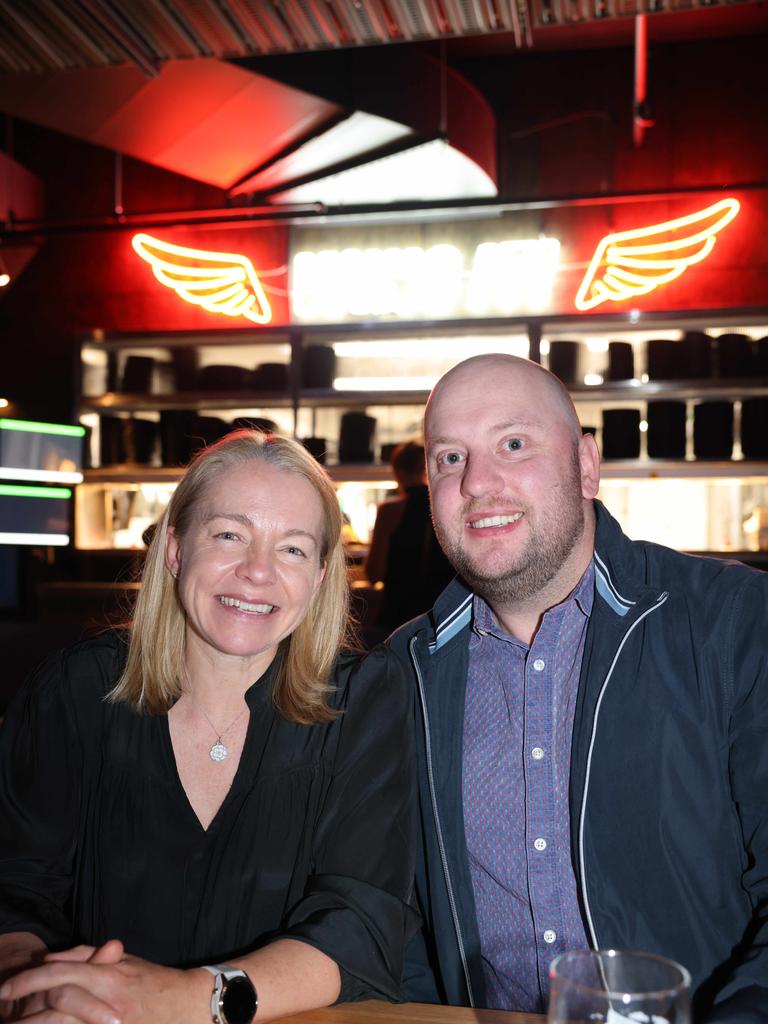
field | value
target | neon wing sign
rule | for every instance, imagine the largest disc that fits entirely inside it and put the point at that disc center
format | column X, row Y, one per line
column 631, row 263
column 220, row 282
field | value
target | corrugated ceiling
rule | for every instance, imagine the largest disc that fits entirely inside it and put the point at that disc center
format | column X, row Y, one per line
column 50, row 35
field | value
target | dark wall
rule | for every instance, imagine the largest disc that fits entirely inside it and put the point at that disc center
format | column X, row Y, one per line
column 565, row 118
column 92, row 279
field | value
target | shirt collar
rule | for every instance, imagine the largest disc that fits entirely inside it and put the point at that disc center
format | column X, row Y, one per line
column 583, row 595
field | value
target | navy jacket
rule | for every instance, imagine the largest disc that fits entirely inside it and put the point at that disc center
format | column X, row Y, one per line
column 669, row 776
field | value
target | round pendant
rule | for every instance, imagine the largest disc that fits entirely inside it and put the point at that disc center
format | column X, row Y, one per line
column 218, row 752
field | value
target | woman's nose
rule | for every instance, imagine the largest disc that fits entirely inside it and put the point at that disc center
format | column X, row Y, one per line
column 257, row 564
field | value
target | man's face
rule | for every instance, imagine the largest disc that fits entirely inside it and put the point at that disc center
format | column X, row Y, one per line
column 504, row 463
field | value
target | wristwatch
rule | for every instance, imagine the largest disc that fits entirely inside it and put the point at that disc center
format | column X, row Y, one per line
column 234, row 999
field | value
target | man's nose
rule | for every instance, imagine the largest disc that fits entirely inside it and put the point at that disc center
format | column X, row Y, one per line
column 481, row 477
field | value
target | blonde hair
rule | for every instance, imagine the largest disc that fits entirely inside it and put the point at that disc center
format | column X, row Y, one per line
column 150, row 680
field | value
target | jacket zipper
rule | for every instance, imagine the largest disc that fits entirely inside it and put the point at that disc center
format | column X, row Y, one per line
column 582, row 813
column 438, row 827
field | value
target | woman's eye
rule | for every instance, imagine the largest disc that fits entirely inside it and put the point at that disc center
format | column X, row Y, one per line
column 293, row 550
column 513, row 444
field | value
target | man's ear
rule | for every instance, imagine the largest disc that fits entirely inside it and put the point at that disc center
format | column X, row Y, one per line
column 589, row 464
column 172, row 552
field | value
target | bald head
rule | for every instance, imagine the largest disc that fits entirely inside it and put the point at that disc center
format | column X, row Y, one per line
column 511, row 480
column 518, row 377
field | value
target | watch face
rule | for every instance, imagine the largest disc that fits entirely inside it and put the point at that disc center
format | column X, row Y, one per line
column 238, row 1002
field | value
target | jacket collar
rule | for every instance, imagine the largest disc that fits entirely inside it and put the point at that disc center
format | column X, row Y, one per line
column 618, row 581
column 620, row 566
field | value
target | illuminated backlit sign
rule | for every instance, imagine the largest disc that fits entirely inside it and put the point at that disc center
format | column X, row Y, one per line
column 631, row 263
column 34, row 515
column 410, row 283
column 219, row 282
column 44, row 452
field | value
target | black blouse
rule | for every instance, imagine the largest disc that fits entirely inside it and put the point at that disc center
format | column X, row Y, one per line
column 314, row 841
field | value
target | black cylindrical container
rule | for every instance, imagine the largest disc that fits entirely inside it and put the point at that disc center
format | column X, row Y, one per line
column 184, row 362
column 356, row 437
column 143, row 435
column 734, row 355
column 621, row 361
column 713, row 430
column 316, row 446
column 698, row 354
column 137, row 375
column 761, row 358
column 621, row 433
column 177, row 436
column 318, row 366
column 666, row 359
column 754, row 428
column 563, row 360
column 208, row 429
column 111, row 441
column 666, row 429
column 270, row 377
column 260, row 423
column 223, row 378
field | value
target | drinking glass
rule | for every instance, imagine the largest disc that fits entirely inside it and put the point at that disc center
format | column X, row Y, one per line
column 618, row 987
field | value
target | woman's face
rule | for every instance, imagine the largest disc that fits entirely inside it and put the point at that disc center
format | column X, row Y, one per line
column 250, row 562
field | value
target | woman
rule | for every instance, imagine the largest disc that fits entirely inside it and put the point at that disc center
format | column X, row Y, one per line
column 218, row 789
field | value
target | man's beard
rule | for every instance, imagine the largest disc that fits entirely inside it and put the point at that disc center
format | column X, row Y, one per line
column 549, row 545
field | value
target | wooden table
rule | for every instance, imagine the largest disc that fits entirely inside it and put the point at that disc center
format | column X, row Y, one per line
column 375, row 1012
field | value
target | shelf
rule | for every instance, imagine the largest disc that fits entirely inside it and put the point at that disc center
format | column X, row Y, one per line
column 194, row 400
column 702, row 469
column 616, row 391
column 635, row 390
column 630, row 469
column 326, row 397
column 127, row 475
column 239, row 336
column 133, row 473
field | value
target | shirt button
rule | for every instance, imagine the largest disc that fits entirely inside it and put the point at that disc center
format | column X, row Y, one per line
column 550, row 936
column 539, row 844
column 538, row 664
column 537, row 753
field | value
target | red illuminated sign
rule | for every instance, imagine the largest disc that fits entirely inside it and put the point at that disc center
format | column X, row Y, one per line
column 631, row 263
column 220, row 282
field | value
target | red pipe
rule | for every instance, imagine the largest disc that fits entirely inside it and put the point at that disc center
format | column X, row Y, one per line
column 640, row 118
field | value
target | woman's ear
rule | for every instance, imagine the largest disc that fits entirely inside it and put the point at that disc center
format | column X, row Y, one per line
column 172, row 552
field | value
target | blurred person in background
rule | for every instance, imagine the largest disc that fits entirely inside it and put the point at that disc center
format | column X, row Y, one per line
column 404, row 552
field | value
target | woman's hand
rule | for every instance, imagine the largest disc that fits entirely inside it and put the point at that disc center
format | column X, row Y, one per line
column 104, row 986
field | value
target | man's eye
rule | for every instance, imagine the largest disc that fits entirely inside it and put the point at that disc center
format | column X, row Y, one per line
column 513, row 444
column 450, row 458
column 226, row 535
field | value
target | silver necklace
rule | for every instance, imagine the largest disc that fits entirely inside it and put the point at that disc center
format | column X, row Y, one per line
column 219, row 751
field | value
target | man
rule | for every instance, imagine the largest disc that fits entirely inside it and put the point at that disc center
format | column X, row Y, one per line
column 593, row 721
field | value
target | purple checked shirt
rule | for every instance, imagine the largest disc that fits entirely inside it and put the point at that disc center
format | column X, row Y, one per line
column 518, row 722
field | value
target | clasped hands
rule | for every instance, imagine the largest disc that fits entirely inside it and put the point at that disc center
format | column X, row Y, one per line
column 104, row 985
